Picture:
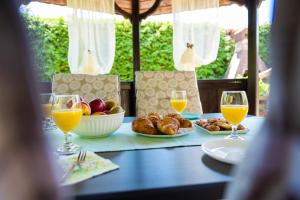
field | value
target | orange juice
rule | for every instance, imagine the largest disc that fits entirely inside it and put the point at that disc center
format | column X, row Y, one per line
column 67, row 120
column 178, row 104
column 47, row 108
column 234, row 114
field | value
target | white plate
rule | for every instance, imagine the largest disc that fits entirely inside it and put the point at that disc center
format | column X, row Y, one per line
column 226, row 150
column 219, row 132
column 181, row 132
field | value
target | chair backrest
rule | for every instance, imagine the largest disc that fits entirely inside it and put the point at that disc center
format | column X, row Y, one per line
column 88, row 86
column 153, row 91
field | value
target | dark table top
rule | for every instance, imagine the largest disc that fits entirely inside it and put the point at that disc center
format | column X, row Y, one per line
column 167, row 173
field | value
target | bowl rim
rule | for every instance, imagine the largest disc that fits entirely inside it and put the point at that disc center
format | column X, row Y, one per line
column 103, row 116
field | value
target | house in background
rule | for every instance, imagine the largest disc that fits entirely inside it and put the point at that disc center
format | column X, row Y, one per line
column 238, row 66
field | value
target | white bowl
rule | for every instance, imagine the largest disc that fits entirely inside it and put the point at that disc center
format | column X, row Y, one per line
column 94, row 126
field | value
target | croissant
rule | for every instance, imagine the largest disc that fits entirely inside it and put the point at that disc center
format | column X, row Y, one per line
column 174, row 115
column 154, row 118
column 153, row 114
column 167, row 129
column 184, row 123
column 168, row 126
column 143, row 125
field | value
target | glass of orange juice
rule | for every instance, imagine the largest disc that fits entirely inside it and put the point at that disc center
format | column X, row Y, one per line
column 178, row 100
column 47, row 103
column 67, row 114
column 234, row 107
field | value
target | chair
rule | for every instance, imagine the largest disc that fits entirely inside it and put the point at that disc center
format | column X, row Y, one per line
column 88, row 86
column 153, row 90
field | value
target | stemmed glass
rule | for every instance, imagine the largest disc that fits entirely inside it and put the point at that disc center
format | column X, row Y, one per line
column 47, row 103
column 178, row 100
column 67, row 114
column 234, row 107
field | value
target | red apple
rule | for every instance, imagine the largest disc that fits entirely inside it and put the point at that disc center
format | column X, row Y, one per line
column 97, row 105
column 69, row 103
column 86, row 109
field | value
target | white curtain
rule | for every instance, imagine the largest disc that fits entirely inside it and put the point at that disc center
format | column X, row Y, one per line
column 196, row 33
column 91, row 36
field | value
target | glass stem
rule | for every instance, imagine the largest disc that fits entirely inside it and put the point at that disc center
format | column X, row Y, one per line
column 66, row 139
column 234, row 131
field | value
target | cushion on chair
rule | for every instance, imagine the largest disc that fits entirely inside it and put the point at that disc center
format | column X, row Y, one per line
column 153, row 91
column 88, row 86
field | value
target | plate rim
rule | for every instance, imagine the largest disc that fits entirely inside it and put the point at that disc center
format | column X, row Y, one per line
column 219, row 132
column 214, row 156
column 166, row 136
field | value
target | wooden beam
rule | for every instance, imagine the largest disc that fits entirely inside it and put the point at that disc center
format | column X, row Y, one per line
column 252, row 90
column 119, row 10
column 151, row 10
column 164, row 8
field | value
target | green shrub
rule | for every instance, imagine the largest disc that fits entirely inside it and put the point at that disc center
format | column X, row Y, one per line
column 49, row 39
column 264, row 88
column 264, row 32
column 157, row 51
column 50, row 44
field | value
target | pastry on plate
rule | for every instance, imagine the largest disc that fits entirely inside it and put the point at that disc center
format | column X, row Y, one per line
column 215, row 124
column 213, row 128
column 223, row 125
column 144, row 125
column 154, row 118
column 167, row 126
column 184, row 123
column 174, row 115
column 240, row 127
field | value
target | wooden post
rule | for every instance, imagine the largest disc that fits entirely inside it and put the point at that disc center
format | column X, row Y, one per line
column 252, row 56
column 135, row 20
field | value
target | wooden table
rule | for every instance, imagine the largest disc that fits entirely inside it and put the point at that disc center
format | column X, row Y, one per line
column 167, row 173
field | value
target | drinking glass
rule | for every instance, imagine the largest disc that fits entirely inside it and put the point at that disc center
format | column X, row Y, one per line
column 47, row 103
column 67, row 114
column 234, row 107
column 178, row 100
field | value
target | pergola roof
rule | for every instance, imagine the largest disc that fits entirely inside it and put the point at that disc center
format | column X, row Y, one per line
column 165, row 6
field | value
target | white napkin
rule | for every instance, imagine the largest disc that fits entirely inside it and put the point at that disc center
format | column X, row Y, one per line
column 93, row 165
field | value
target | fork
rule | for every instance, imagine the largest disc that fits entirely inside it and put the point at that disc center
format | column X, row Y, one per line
column 80, row 159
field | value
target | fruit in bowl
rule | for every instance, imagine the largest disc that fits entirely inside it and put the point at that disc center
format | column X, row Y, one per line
column 100, row 118
column 97, row 105
column 110, row 103
column 99, row 113
column 99, row 124
column 114, row 110
column 86, row 109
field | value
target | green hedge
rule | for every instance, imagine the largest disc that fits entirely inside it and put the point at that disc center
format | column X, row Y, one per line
column 264, row 31
column 50, row 46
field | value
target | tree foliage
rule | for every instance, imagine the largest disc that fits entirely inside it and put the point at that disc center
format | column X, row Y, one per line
column 264, row 33
column 50, row 45
column 49, row 39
